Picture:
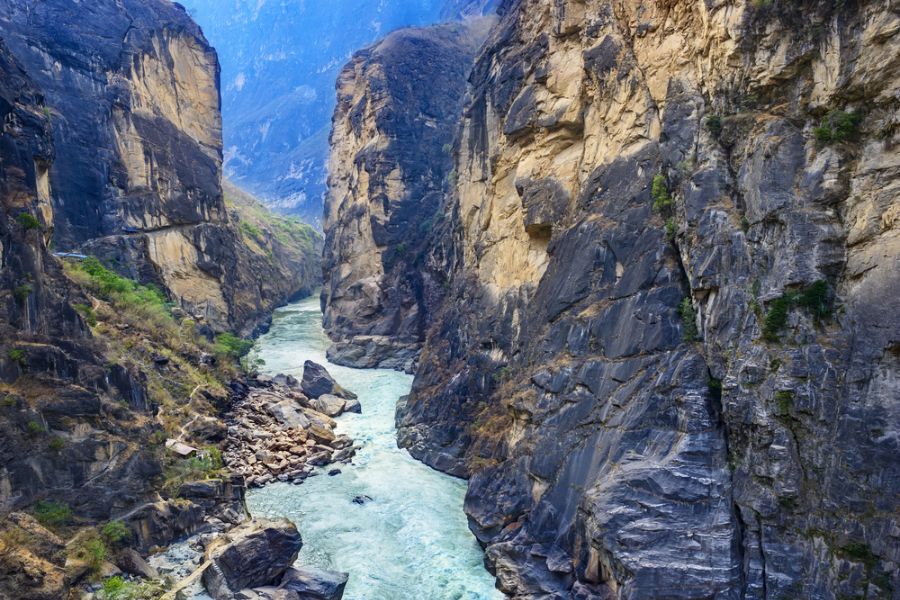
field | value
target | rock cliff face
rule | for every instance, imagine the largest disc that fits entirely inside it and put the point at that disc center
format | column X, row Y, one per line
column 668, row 358
column 53, row 375
column 398, row 105
column 132, row 92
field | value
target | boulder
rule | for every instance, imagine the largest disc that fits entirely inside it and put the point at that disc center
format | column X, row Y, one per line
column 134, row 564
column 353, row 406
column 315, row 584
column 330, row 404
column 256, row 554
column 317, row 381
column 287, row 413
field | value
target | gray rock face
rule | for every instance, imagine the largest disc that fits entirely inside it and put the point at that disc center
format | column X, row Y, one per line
column 660, row 361
column 315, row 584
column 257, row 554
column 406, row 92
column 317, row 381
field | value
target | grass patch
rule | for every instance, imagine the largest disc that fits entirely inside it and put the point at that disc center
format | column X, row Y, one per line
column 56, row 443
column 784, row 401
column 115, row 532
column 52, row 514
column 116, row 588
column 34, row 428
column 671, row 229
column 87, row 311
column 92, row 550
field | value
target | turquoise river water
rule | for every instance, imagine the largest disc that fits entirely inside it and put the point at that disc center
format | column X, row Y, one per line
column 411, row 541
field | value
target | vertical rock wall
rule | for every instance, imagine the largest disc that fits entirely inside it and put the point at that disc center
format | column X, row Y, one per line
column 668, row 355
column 132, row 92
column 398, row 106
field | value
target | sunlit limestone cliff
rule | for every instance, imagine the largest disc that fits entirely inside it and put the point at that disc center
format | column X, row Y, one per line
column 668, row 355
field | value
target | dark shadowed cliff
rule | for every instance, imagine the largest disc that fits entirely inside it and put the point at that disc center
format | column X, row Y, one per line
column 399, row 103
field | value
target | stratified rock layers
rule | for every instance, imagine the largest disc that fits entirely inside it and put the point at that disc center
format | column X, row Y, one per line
column 398, row 106
column 668, row 357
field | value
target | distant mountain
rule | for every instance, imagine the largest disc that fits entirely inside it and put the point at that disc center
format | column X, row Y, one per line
column 280, row 61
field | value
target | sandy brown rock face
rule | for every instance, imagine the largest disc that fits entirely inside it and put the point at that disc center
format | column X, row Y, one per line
column 659, row 359
column 398, row 105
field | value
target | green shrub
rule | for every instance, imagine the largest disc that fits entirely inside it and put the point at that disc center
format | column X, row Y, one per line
column 52, row 514
column 715, row 388
column 814, row 297
column 113, row 588
column 116, row 588
column 8, row 401
column 776, row 317
column 34, row 428
column 22, row 292
column 784, row 400
column 114, row 532
column 87, row 312
column 94, row 552
column 17, row 355
column 688, row 320
column 671, row 229
column 714, row 125
column 57, row 443
column 837, row 126
column 659, row 191
column 28, row 221
column 232, row 345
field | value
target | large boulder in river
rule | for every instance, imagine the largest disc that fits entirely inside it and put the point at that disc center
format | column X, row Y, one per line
column 315, row 584
column 255, row 554
column 318, row 381
column 329, row 404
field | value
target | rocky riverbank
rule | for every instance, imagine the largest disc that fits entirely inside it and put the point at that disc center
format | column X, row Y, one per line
column 281, row 429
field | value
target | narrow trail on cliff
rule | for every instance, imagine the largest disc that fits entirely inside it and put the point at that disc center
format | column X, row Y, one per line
column 406, row 535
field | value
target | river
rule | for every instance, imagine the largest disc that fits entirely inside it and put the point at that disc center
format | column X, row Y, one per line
column 411, row 541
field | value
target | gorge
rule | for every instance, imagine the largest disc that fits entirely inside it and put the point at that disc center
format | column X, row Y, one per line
column 614, row 285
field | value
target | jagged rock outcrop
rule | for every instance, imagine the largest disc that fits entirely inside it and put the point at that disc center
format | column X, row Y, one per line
column 132, row 92
column 668, row 359
column 398, row 105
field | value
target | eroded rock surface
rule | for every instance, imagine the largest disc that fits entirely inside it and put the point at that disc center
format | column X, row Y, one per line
column 131, row 91
column 255, row 554
column 668, row 356
column 398, row 105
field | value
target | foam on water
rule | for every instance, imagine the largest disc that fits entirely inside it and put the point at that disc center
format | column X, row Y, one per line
column 411, row 540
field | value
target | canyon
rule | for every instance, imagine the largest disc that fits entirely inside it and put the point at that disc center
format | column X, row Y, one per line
column 664, row 350
column 638, row 260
